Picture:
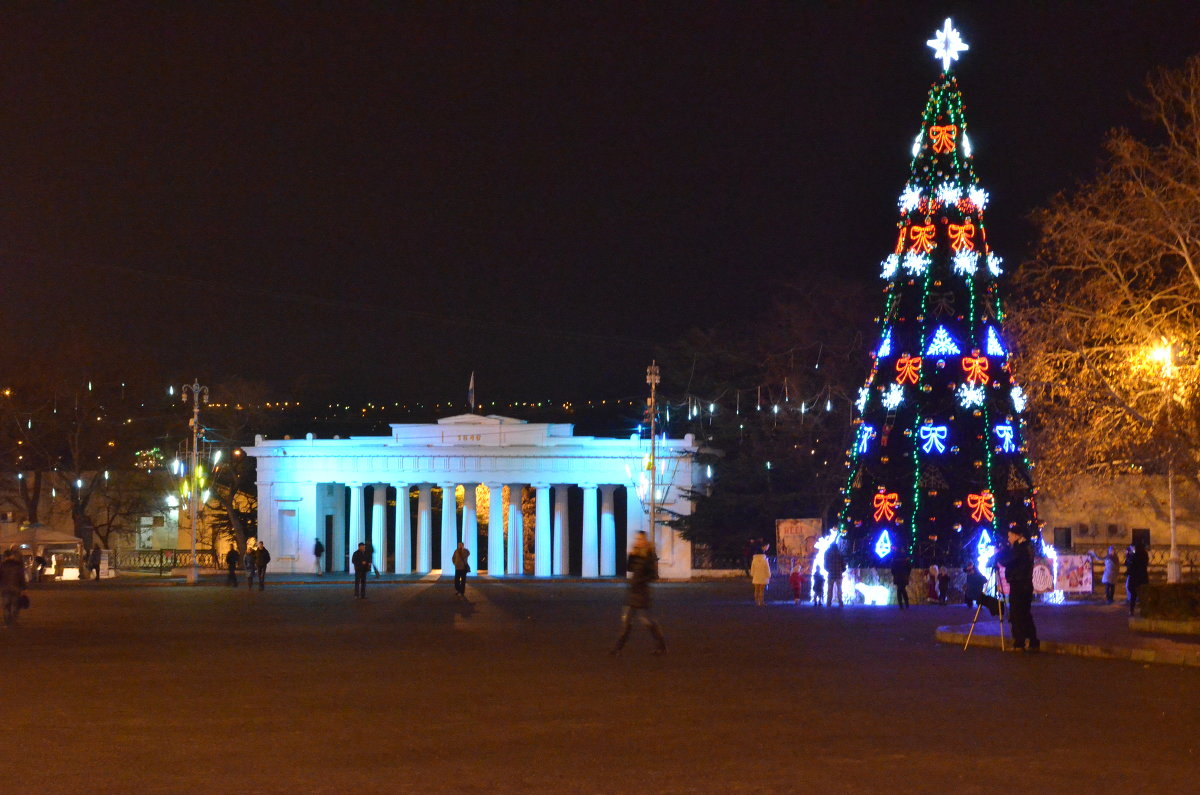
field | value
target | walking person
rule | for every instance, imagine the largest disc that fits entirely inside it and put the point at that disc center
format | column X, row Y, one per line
column 461, row 567
column 1017, row 561
column 93, row 562
column 361, row 560
column 642, row 568
column 371, row 554
column 1112, row 569
column 901, row 570
column 319, row 554
column 760, row 574
column 261, row 558
column 249, row 564
column 1137, row 571
column 835, row 567
column 12, row 585
column 231, row 562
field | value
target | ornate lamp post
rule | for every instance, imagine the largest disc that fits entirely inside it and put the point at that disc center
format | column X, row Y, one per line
column 1166, row 355
column 199, row 393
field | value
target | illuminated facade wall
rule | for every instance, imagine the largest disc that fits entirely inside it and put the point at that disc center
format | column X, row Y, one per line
column 303, row 486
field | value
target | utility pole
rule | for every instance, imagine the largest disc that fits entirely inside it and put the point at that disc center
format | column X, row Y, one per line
column 652, row 378
column 199, row 393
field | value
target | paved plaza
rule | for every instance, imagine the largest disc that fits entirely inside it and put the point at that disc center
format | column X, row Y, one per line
column 120, row 687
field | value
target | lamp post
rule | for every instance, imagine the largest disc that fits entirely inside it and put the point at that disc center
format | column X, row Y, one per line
column 652, row 378
column 198, row 393
column 1166, row 355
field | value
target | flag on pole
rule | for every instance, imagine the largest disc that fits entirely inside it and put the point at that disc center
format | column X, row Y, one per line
column 471, row 394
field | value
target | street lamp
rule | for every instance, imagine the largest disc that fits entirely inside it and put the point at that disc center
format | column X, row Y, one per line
column 198, row 393
column 1165, row 354
column 653, row 379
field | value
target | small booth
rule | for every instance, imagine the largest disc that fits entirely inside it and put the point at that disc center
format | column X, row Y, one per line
column 61, row 552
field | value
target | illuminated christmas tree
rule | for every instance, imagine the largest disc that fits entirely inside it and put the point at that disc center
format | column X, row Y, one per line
column 938, row 463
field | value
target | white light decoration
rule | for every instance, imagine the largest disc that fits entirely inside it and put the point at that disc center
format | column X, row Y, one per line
column 947, row 44
column 934, row 437
column 916, row 150
column 984, row 550
column 216, row 457
column 820, row 546
column 949, row 193
column 708, row 471
column 942, row 344
column 883, row 545
column 915, row 263
column 911, row 197
column 1018, row 399
column 994, row 348
column 828, row 405
column 978, row 196
column 865, row 434
column 993, row 263
column 885, row 347
column 889, row 266
column 971, row 395
column 873, row 594
column 172, row 501
column 861, row 402
column 1055, row 597
column 966, row 263
column 895, row 396
column 966, row 145
column 1005, row 434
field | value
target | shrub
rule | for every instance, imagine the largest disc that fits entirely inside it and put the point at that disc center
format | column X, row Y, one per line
column 1179, row 602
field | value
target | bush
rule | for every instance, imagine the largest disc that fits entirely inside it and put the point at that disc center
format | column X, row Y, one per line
column 1179, row 602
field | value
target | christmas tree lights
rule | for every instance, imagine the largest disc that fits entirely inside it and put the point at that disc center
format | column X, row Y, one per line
column 939, row 450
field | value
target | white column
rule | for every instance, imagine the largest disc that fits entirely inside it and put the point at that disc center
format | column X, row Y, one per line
column 562, row 530
column 403, row 530
column 470, row 523
column 449, row 528
column 358, row 524
column 608, row 533
column 424, row 528
column 337, row 555
column 495, row 529
column 590, row 562
column 516, row 529
column 541, row 532
column 378, row 521
column 635, row 517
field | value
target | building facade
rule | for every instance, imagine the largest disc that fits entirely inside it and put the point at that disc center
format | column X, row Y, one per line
column 589, row 497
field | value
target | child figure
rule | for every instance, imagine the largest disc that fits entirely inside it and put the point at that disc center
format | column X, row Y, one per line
column 796, row 580
column 818, row 588
column 943, row 585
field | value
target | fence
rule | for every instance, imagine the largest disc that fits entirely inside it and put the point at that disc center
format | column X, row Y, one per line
column 160, row 560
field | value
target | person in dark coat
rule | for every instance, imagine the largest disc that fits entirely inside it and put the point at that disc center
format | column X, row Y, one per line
column 460, row 560
column 1017, row 561
column 250, row 565
column 12, row 585
column 835, row 567
column 261, row 558
column 901, row 569
column 319, row 554
column 231, row 562
column 93, row 562
column 973, row 591
column 1137, row 571
column 642, row 568
column 361, row 560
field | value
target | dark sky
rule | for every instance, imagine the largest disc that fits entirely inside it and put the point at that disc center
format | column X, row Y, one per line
column 378, row 199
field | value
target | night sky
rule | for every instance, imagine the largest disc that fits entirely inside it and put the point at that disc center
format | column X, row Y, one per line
column 374, row 201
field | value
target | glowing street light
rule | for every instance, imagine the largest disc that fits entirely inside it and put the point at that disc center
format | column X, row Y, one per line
column 1165, row 356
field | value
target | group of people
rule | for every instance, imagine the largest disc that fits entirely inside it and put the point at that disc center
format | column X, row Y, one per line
column 834, row 566
column 254, row 562
column 1137, row 572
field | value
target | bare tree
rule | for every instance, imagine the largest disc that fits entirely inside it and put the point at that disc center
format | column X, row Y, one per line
column 1107, row 315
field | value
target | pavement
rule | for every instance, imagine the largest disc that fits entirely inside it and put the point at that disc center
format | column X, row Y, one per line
column 115, row 687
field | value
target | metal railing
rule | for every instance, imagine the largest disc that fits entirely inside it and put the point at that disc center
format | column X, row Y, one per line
column 160, row 560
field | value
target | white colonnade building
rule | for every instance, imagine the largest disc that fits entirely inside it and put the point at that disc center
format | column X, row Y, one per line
column 589, row 494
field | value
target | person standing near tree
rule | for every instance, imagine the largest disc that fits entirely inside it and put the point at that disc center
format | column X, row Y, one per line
column 1137, row 571
column 93, row 561
column 835, row 567
column 250, row 564
column 1112, row 570
column 461, row 567
column 261, row 558
column 319, row 554
column 361, row 561
column 642, row 569
column 1017, row 561
column 760, row 575
column 12, row 585
column 231, row 562
column 901, row 569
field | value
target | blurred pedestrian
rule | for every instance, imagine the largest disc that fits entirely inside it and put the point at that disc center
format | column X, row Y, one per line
column 261, row 558
column 371, row 553
column 943, row 585
column 818, row 587
column 796, row 581
column 231, row 562
column 1017, row 561
column 931, row 585
column 361, row 561
column 642, row 568
column 461, row 566
column 973, row 591
column 250, row 565
column 1112, row 569
column 901, row 570
column 93, row 561
column 12, row 585
column 835, row 567
column 1137, row 571
column 760, row 575
column 319, row 554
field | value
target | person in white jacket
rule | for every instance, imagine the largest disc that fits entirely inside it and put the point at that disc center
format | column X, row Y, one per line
column 760, row 574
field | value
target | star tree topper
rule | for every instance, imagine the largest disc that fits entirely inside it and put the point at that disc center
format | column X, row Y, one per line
column 947, row 44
